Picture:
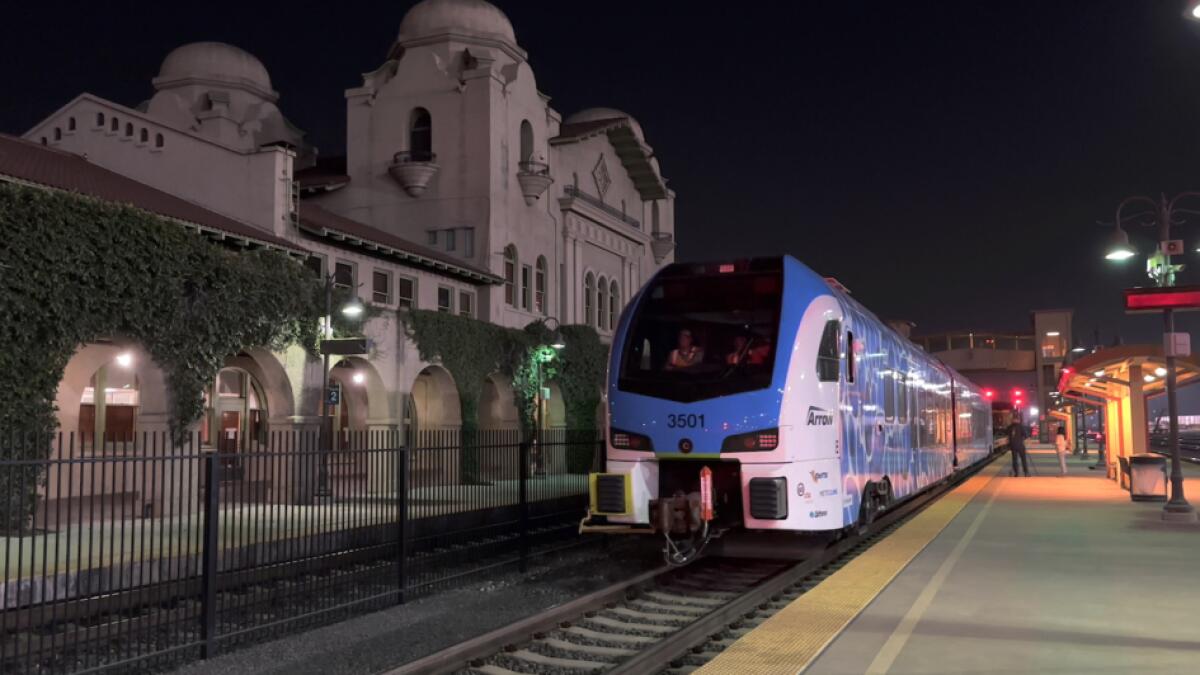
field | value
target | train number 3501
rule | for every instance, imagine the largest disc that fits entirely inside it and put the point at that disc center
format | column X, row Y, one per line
column 685, row 421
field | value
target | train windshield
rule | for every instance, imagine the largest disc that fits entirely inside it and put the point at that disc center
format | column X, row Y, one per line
column 702, row 336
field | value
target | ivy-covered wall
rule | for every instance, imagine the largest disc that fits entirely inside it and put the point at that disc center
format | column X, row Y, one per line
column 74, row 270
column 471, row 350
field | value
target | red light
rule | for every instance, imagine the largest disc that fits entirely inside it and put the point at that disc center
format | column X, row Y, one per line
column 725, row 269
column 988, row 393
column 1017, row 393
column 1170, row 297
column 1067, row 371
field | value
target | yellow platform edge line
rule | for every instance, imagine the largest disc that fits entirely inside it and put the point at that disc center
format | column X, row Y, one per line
column 788, row 642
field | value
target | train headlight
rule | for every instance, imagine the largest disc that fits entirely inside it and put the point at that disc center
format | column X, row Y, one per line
column 625, row 440
column 755, row 441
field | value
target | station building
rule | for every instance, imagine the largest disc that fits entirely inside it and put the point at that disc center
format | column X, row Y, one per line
column 461, row 191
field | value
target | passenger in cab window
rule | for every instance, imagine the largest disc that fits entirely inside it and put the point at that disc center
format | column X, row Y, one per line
column 738, row 355
column 759, row 352
column 687, row 354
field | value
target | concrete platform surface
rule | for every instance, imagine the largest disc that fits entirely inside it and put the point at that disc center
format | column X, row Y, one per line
column 1039, row 575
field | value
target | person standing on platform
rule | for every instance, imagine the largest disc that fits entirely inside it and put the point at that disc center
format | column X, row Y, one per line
column 1060, row 447
column 1016, row 445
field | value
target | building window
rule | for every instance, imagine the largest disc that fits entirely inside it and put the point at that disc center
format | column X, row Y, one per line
column 1048, row 376
column 445, row 299
column 116, row 125
column 510, row 275
column 381, row 287
column 539, row 285
column 158, row 140
column 420, row 136
column 343, row 275
column 129, row 129
column 468, row 243
column 145, row 136
column 100, row 119
column 316, row 265
column 602, row 304
column 589, row 290
column 406, row 295
column 849, row 356
column 451, row 240
column 526, row 285
column 44, row 141
column 57, row 134
column 466, row 304
column 614, row 304
column 526, row 141
column 70, row 124
column 654, row 217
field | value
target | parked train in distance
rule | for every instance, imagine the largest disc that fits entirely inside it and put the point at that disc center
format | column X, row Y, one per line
column 756, row 395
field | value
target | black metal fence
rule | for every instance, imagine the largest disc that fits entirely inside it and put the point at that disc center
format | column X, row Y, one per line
column 141, row 554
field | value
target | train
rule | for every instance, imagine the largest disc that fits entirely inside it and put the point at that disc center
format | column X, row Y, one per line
column 756, row 396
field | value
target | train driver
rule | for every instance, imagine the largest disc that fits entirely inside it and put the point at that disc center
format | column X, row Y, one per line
column 687, row 355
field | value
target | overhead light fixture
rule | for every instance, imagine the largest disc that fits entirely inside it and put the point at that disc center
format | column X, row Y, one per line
column 1148, row 378
column 1119, row 247
column 1099, row 373
column 1051, row 333
column 1160, row 371
column 124, row 359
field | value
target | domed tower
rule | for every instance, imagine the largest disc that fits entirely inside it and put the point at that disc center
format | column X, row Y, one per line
column 447, row 141
column 224, row 93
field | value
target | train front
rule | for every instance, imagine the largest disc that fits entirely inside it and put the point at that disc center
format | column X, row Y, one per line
column 704, row 366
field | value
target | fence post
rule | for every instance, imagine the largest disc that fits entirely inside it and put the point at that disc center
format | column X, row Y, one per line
column 402, row 507
column 523, row 504
column 208, row 556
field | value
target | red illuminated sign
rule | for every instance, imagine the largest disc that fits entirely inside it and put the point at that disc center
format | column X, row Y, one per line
column 1168, row 297
column 989, row 394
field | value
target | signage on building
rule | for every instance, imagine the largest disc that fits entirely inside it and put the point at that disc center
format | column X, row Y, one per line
column 1177, row 344
column 346, row 346
column 334, row 395
column 1172, row 247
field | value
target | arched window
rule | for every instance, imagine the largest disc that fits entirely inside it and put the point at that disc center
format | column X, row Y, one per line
column 129, row 129
column 99, row 119
column 602, row 304
column 526, row 141
column 539, row 285
column 44, row 140
column 116, row 124
column 158, row 140
column 70, row 124
column 57, row 134
column 510, row 275
column 589, row 291
column 145, row 136
column 654, row 217
column 420, row 135
column 614, row 304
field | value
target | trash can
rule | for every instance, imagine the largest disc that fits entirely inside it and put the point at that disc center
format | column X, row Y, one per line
column 1148, row 478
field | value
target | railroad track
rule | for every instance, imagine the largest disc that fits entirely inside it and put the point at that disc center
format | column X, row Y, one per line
column 671, row 620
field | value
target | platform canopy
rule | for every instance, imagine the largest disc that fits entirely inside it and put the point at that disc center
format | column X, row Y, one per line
column 1117, row 381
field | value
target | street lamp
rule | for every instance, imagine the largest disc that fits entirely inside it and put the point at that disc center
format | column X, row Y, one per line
column 1118, row 246
column 352, row 309
column 1162, row 214
column 544, row 353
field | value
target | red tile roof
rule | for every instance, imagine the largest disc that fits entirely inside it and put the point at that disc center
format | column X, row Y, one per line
column 578, row 130
column 326, row 224
column 48, row 167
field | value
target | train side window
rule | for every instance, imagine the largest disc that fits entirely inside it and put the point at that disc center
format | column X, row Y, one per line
column 849, row 356
column 827, row 352
column 889, row 396
column 902, row 390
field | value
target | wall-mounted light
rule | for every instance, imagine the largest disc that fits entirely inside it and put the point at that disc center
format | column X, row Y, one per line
column 124, row 359
column 358, row 378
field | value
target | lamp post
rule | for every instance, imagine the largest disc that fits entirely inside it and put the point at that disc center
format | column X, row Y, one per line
column 543, row 354
column 352, row 309
column 1162, row 215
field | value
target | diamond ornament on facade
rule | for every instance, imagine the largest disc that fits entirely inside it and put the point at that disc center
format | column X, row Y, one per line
column 600, row 175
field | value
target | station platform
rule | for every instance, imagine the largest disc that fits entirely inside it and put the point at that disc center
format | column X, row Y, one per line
column 1002, row 575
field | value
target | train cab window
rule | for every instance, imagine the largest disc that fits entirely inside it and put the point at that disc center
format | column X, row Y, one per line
column 850, row 356
column 695, row 335
column 827, row 352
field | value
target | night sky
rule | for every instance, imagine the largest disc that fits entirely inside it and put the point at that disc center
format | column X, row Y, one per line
column 947, row 161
